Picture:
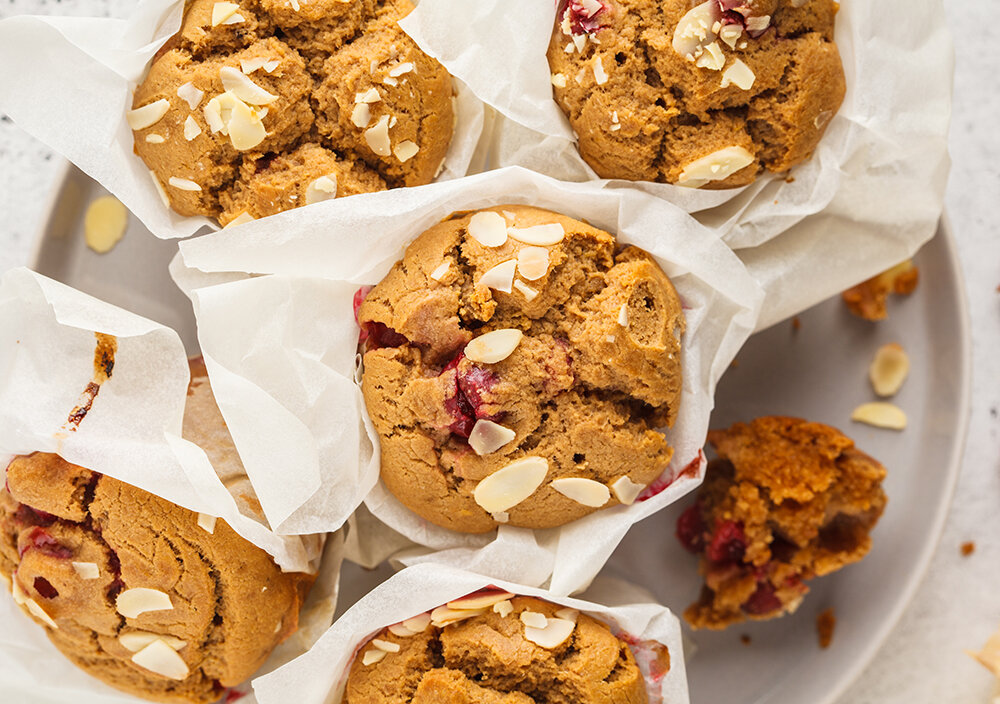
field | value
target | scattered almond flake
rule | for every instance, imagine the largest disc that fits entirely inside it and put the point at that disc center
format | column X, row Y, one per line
column 213, row 115
column 390, row 81
column 500, row 516
column 580, row 42
column 504, row 608
column 248, row 66
column 717, row 26
column 206, row 523
column 377, row 137
column 693, row 31
column 730, row 34
column 739, row 75
column 528, row 292
column 160, row 658
column 134, row 641
column 240, row 85
column 553, row 635
column 881, row 415
column 823, row 119
column 487, row 437
column 405, row 151
column 494, row 346
column 559, row 80
column 183, row 184
column 155, row 138
column 583, row 491
column 147, row 115
column 480, row 601
column 418, row 624
column 743, row 45
column 541, row 235
column 626, row 490
column 581, row 76
column 222, row 11
column 392, row 121
column 245, row 128
column 372, row 655
column 133, row 602
column 570, row 48
column 726, row 162
column 488, row 229
column 86, row 570
column 321, row 189
column 609, row 338
column 191, row 95
column 614, row 117
column 500, row 277
column 191, row 128
column 443, row 616
column 160, row 189
column 400, row 69
column 104, row 224
column 385, row 645
column 235, row 19
column 240, row 219
column 591, row 7
column 271, row 65
column 509, row 486
column 533, row 262
column 369, row 96
column 441, row 270
column 534, row 619
column 294, row 4
column 361, row 116
column 401, row 631
column 889, row 369
column 40, row 613
column 565, row 25
column 615, row 128
column 568, row 614
column 712, row 58
column 989, row 656
column 758, row 24
column 623, row 315
column 600, row 75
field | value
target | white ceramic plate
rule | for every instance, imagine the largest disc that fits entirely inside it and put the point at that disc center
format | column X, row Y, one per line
column 818, row 372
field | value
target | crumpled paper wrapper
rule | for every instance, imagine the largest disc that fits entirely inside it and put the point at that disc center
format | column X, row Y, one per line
column 68, row 82
column 132, row 432
column 887, row 146
column 274, row 303
column 319, row 676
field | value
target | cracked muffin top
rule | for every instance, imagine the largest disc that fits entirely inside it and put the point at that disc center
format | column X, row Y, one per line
column 517, row 365
column 700, row 95
column 260, row 106
column 151, row 598
column 498, row 649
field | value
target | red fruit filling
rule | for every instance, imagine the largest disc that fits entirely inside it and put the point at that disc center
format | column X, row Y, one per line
column 33, row 517
column 378, row 335
column 39, row 539
column 691, row 530
column 359, row 297
column 584, row 15
column 45, row 588
column 728, row 542
column 466, row 405
column 763, row 601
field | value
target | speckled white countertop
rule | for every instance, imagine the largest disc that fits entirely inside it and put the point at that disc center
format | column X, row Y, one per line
column 958, row 605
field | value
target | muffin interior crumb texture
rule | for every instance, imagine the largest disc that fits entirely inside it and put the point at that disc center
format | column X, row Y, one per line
column 260, row 106
column 520, row 381
column 786, row 501
column 486, row 659
column 705, row 94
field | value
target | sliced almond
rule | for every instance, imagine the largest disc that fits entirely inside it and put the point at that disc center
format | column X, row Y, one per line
column 480, row 601
column 568, row 614
column 155, row 138
column 533, row 262
column 160, row 658
column 400, row 69
column 234, row 19
column 398, row 629
column 361, row 116
column 377, row 137
column 739, row 75
column 500, row 277
column 241, row 219
column 694, row 30
column 730, row 34
column 183, row 184
column 717, row 166
column 556, row 631
column 387, row 646
column 405, row 151
column 526, row 291
column 626, row 490
column 500, row 516
column 600, row 75
column 134, row 641
column 206, row 522
column 881, row 415
column 488, row 229
column 105, row 223
column 369, row 96
column 509, row 486
column 240, row 85
column 133, row 602
column 160, row 189
column 623, row 315
column 222, row 11
column 147, row 115
column 245, row 128
column 494, row 346
column 758, row 24
column 889, row 369
column 712, row 58
column 558, row 80
column 86, row 570
column 191, row 128
column 321, row 189
column 213, row 115
column 441, row 270
column 487, row 437
column 540, row 235
column 418, row 624
column 504, row 608
column 38, row 612
column 248, row 66
column 583, row 491
column 189, row 94
column 534, row 619
column 443, row 616
column 372, row 656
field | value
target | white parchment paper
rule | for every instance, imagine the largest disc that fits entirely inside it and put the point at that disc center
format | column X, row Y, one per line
column 274, row 302
column 887, row 144
column 318, row 677
column 68, row 82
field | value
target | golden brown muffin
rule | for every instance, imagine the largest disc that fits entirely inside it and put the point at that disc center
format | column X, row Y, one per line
column 520, row 383
column 869, row 299
column 709, row 94
column 259, row 106
column 493, row 657
column 82, row 552
column 786, row 501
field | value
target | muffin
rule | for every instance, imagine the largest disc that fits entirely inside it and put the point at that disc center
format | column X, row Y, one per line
column 785, row 501
column 151, row 598
column 700, row 95
column 517, row 365
column 510, row 650
column 869, row 300
column 260, row 106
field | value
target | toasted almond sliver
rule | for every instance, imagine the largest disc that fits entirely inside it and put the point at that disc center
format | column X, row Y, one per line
column 534, row 619
column 222, row 11
column 494, row 346
column 372, row 656
column 559, row 80
column 717, row 166
column 239, row 84
column 583, row 491
column 600, row 75
column 206, row 522
column 419, row 623
column 387, row 646
column 191, row 128
column 881, row 415
column 739, row 75
column 481, row 601
column 189, row 94
column 509, row 486
column 487, row 437
column 160, row 189
column 500, row 277
column 147, row 115
column 38, row 612
column 500, row 516
column 889, row 369
column 241, row 219
column 441, row 270
column 321, row 189
column 377, row 137
column 133, row 602
column 533, row 262
column 443, row 616
column 153, row 138
column 623, row 315
column 554, row 634
column 528, row 292
column 626, row 490
column 246, row 130
column 568, row 614
column 361, row 116
column 183, row 184
column 694, row 30
column 400, row 69
column 86, row 570
column 504, row 608
column 405, row 151
column 160, row 658
column 540, row 235
column 488, row 229
column 398, row 629
column 134, row 641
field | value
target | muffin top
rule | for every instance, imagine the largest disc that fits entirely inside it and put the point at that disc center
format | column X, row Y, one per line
column 700, row 95
column 259, row 106
column 517, row 364
column 513, row 650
